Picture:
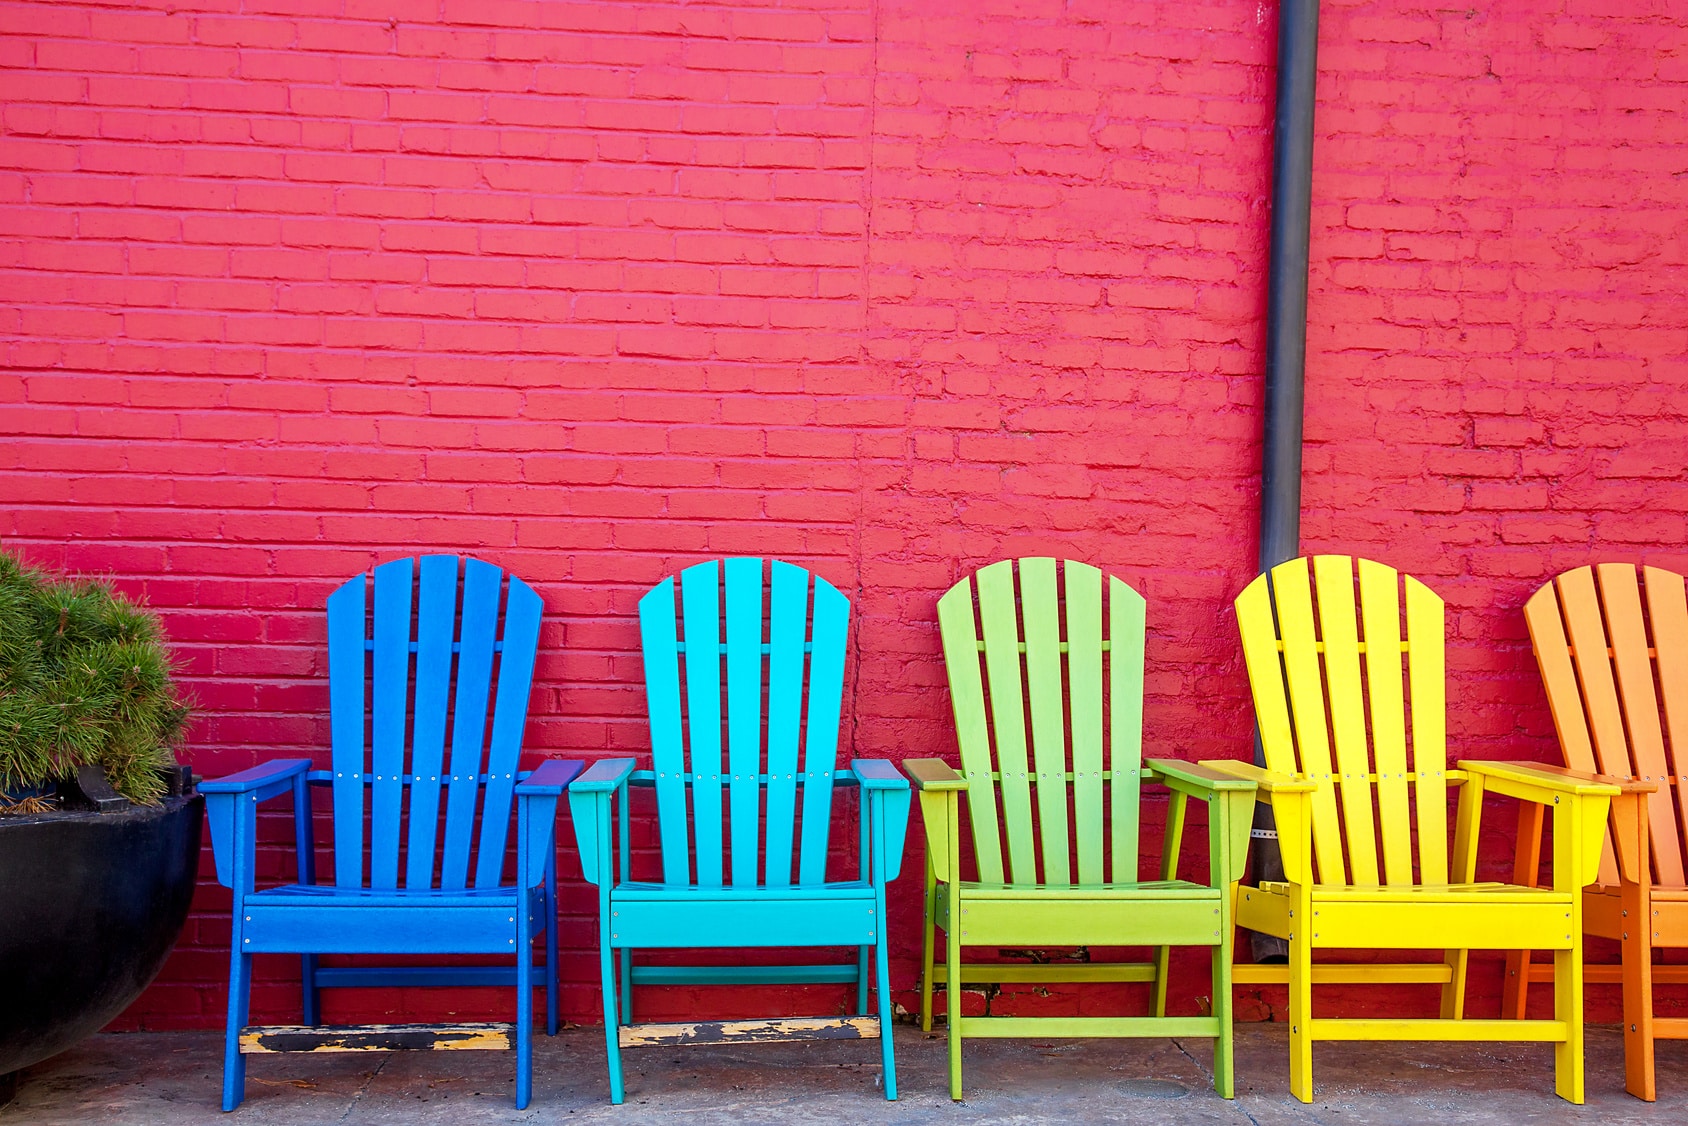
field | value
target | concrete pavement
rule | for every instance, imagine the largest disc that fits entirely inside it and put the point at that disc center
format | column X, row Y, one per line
column 173, row 1079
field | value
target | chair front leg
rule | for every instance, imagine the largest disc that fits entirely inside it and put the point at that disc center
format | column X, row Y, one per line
column 952, row 952
column 524, row 1000
column 1301, row 994
column 1637, row 956
column 240, row 995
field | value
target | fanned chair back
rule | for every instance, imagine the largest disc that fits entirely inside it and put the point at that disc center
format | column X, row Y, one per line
column 1612, row 645
column 1036, row 651
column 422, row 663
column 775, row 639
column 1326, row 652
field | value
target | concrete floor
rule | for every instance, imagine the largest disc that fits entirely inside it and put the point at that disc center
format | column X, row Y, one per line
column 141, row 1079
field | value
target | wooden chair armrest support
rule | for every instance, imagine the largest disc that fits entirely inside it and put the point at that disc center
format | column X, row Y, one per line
column 933, row 774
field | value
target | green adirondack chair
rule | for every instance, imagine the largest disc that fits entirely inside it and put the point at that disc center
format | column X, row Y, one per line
column 1032, row 630
column 748, row 867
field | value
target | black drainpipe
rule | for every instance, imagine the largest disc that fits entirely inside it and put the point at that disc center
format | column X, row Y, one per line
column 1286, row 345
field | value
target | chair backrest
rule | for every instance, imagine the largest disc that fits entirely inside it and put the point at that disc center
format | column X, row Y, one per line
column 1305, row 645
column 400, row 675
column 1038, row 641
column 1612, row 647
column 751, row 640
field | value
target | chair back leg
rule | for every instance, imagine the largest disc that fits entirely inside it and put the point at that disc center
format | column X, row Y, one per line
column 310, row 995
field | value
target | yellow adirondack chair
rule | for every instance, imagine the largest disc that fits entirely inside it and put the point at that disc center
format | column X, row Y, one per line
column 1041, row 653
column 1599, row 654
column 1308, row 639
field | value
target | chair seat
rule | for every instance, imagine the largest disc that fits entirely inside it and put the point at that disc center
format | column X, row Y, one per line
column 1660, row 892
column 1142, row 889
column 1480, row 916
column 1149, row 913
column 296, row 919
column 649, row 915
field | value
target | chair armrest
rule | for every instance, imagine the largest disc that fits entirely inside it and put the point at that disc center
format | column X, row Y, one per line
column 1197, row 779
column 1539, row 782
column 274, row 773
column 602, row 777
column 877, row 774
column 237, row 796
column 933, row 774
column 550, row 779
column 1266, row 781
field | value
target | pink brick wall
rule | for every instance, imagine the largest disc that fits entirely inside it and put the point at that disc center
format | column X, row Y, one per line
column 890, row 287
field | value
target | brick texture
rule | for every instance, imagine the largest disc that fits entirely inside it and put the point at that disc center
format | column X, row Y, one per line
column 891, row 288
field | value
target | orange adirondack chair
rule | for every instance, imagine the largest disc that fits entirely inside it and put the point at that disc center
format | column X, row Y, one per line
column 1612, row 647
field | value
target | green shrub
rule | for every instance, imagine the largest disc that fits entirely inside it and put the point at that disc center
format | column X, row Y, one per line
column 84, row 678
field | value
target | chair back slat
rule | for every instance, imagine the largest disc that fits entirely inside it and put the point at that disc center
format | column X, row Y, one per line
column 1026, row 669
column 999, row 617
column 828, row 641
column 1633, row 664
column 1127, row 633
column 477, row 630
column 1626, row 632
column 723, row 627
column 1040, row 612
column 1380, row 621
column 390, row 700
column 660, row 645
column 436, row 627
column 1082, row 587
column 1546, row 622
column 1586, row 641
column 1427, row 686
column 1333, row 577
column 788, row 615
column 347, row 715
column 957, row 626
column 744, row 713
column 1667, row 613
column 700, row 608
column 1293, row 596
column 520, row 644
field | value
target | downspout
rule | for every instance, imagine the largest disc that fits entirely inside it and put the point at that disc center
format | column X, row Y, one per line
column 1286, row 346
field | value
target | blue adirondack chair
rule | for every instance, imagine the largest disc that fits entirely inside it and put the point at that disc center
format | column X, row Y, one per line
column 754, row 809
column 439, row 906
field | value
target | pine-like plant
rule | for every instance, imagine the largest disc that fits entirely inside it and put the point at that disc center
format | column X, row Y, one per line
column 84, row 679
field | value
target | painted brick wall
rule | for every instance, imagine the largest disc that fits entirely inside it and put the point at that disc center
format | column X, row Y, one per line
column 889, row 287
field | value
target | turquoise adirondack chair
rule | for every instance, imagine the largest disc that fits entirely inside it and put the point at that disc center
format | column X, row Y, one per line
column 426, row 667
column 748, row 868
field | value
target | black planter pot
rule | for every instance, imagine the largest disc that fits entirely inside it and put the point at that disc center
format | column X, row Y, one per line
column 90, row 905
